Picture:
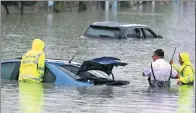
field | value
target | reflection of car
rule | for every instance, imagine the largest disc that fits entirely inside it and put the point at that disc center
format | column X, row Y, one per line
column 120, row 30
column 91, row 72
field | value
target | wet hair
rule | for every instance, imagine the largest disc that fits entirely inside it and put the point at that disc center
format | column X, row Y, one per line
column 159, row 52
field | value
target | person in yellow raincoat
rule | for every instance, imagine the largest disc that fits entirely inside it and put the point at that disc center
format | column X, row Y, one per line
column 33, row 63
column 186, row 69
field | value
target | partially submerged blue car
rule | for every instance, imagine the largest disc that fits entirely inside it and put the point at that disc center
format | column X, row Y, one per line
column 95, row 71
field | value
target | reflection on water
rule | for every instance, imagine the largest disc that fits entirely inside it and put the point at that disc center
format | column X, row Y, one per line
column 185, row 100
column 104, row 92
column 61, row 33
column 31, row 97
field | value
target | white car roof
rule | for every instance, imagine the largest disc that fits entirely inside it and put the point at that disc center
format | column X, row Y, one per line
column 116, row 24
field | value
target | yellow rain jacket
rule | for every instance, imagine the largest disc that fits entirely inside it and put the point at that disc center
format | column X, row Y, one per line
column 186, row 70
column 33, row 63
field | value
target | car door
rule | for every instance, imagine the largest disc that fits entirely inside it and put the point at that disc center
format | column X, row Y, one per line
column 130, row 33
column 149, row 33
column 10, row 70
column 135, row 33
column 49, row 76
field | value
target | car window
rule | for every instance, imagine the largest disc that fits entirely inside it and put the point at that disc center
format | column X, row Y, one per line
column 103, row 32
column 139, row 33
column 131, row 33
column 98, row 74
column 71, row 68
column 49, row 76
column 15, row 73
column 149, row 33
column 7, row 69
column 68, row 72
column 93, row 74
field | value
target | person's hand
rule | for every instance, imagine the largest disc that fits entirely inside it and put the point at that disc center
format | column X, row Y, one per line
column 171, row 62
column 178, row 82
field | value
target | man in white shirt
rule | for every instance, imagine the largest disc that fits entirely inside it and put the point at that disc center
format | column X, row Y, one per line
column 160, row 71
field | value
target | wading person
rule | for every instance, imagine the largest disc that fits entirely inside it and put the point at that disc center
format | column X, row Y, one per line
column 160, row 71
column 33, row 63
column 186, row 70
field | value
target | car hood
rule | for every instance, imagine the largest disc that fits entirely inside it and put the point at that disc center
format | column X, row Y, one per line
column 104, row 64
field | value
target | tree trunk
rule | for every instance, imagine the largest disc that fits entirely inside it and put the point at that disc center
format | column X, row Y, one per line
column 22, row 7
column 68, row 5
column 5, row 4
column 7, row 11
column 82, row 6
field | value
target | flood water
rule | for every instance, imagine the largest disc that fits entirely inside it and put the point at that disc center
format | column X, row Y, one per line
column 62, row 35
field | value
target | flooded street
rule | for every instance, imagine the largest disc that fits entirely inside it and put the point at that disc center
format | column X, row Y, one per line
column 62, row 33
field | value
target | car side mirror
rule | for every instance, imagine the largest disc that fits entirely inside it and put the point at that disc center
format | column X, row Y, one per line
column 159, row 36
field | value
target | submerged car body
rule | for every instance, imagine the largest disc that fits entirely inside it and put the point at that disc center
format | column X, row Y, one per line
column 91, row 72
column 120, row 30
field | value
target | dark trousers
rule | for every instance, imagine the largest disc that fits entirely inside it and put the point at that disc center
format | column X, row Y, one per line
column 155, row 83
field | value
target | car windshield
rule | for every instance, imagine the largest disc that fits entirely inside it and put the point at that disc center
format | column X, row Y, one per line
column 97, row 31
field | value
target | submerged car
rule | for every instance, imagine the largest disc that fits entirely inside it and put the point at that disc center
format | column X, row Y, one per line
column 92, row 72
column 119, row 30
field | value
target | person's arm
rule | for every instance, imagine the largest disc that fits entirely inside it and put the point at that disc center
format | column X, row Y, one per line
column 175, row 66
column 41, row 66
column 21, row 66
column 174, row 74
column 147, row 71
column 177, row 76
column 21, row 62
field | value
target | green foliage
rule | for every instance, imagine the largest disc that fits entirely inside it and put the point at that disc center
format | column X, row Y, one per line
column 125, row 4
column 29, row 3
column 58, row 6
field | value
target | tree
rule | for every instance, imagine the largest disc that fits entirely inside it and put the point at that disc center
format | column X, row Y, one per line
column 17, row 3
column 58, row 6
column 82, row 6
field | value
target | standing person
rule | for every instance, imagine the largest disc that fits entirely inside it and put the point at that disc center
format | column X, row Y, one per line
column 160, row 71
column 186, row 69
column 33, row 63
